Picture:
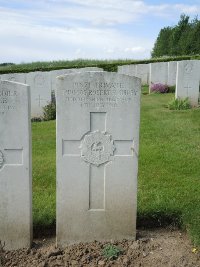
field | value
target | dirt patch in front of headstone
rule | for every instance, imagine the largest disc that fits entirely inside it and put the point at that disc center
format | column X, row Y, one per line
column 160, row 247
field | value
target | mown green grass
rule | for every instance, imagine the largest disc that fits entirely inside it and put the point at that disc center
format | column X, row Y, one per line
column 44, row 173
column 169, row 168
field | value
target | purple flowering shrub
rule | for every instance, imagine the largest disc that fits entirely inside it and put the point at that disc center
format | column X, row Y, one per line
column 159, row 88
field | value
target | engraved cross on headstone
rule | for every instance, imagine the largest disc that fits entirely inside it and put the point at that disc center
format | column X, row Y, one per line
column 40, row 100
column 187, row 88
column 97, row 149
column 11, row 157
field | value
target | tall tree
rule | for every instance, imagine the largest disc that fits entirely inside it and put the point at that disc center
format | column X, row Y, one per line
column 194, row 44
column 182, row 39
column 178, row 36
column 162, row 44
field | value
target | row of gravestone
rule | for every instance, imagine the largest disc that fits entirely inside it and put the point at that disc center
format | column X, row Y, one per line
column 160, row 72
column 42, row 85
column 185, row 75
column 97, row 136
column 171, row 73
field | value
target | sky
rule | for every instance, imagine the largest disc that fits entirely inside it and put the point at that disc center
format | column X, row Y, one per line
column 50, row 30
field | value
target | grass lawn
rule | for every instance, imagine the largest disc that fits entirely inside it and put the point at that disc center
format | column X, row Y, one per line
column 169, row 168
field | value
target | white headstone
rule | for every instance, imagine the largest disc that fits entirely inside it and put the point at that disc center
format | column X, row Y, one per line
column 15, row 166
column 53, row 75
column 98, row 116
column 187, row 80
column 14, row 77
column 142, row 72
column 172, row 69
column 137, row 70
column 128, row 69
column 40, row 83
column 83, row 69
column 56, row 73
column 158, row 73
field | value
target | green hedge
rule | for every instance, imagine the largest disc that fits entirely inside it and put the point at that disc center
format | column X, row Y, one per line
column 107, row 65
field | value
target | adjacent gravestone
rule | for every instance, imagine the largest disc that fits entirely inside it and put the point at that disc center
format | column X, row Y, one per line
column 98, row 115
column 187, row 80
column 158, row 73
column 172, row 70
column 127, row 69
column 14, row 77
column 15, row 166
column 40, row 83
column 142, row 72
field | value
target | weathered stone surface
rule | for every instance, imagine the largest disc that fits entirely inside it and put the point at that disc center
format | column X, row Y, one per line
column 187, row 80
column 15, row 166
column 158, row 73
column 14, row 77
column 56, row 73
column 127, row 69
column 40, row 84
column 142, row 72
column 97, row 156
column 95, row 144
column 172, row 70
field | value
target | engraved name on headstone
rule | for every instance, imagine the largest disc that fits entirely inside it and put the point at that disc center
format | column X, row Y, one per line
column 56, row 73
column 15, row 166
column 98, row 115
column 187, row 80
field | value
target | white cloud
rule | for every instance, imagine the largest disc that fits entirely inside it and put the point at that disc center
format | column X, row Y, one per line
column 188, row 9
column 135, row 49
column 132, row 9
column 67, row 29
column 136, row 6
column 46, row 43
column 26, row 39
column 104, row 12
column 109, row 50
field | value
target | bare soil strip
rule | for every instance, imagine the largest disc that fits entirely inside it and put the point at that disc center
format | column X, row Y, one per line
column 153, row 248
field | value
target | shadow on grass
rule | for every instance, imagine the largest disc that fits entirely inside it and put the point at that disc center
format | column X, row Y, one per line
column 159, row 219
column 147, row 221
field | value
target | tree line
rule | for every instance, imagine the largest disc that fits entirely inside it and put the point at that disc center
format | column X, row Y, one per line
column 181, row 39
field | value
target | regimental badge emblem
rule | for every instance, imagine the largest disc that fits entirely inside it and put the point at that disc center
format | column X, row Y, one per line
column 97, row 148
column 188, row 67
column 1, row 159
